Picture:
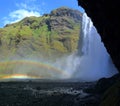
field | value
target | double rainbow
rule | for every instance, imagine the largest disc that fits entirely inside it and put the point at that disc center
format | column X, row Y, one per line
column 41, row 70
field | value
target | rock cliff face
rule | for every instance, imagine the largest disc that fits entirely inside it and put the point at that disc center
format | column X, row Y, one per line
column 53, row 34
column 105, row 16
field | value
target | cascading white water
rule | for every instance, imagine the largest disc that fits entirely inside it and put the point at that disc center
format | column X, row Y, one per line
column 95, row 62
column 92, row 61
column 89, row 63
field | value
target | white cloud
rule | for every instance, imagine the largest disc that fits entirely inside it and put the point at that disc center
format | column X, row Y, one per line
column 24, row 9
column 23, row 13
column 22, row 5
column 27, row 6
column 18, row 15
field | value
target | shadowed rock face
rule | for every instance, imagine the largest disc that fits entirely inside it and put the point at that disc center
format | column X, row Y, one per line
column 105, row 16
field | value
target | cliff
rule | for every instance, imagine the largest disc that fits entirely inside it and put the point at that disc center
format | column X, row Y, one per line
column 53, row 34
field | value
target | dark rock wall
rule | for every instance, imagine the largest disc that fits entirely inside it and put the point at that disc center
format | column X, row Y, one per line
column 105, row 17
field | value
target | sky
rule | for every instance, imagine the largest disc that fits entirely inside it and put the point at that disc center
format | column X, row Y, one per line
column 14, row 10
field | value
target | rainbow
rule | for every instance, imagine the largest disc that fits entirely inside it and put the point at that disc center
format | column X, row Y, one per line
column 20, row 76
column 46, row 68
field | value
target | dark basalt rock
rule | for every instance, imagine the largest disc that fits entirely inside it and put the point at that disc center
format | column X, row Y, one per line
column 40, row 93
column 106, row 19
column 103, row 84
column 64, row 11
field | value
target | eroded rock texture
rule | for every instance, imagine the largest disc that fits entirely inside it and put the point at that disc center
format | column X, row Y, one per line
column 105, row 16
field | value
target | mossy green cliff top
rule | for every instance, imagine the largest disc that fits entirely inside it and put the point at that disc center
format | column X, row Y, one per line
column 52, row 34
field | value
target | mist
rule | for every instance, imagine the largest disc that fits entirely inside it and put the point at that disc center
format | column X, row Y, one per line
column 89, row 63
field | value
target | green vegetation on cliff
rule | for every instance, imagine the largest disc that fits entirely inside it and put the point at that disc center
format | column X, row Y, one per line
column 56, row 33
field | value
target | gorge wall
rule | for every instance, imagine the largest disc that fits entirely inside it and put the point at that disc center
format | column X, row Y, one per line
column 106, row 19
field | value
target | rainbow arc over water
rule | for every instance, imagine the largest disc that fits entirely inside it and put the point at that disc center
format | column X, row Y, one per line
column 23, row 69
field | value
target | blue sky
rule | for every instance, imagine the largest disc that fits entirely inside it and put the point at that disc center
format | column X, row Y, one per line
column 14, row 10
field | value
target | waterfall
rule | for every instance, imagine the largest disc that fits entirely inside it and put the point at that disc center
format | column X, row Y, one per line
column 91, row 61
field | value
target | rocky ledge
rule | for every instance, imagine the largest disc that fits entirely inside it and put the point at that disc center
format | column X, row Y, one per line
column 40, row 93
